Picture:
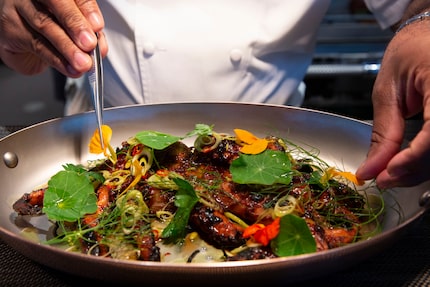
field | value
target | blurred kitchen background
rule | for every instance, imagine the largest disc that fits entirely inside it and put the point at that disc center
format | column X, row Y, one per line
column 349, row 50
column 347, row 58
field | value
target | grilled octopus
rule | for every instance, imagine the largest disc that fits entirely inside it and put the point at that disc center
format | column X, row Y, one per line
column 30, row 203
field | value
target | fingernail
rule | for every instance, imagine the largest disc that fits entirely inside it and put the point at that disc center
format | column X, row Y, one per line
column 72, row 70
column 81, row 59
column 95, row 20
column 383, row 186
column 87, row 39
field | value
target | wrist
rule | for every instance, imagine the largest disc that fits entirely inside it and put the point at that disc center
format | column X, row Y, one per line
column 417, row 18
column 414, row 7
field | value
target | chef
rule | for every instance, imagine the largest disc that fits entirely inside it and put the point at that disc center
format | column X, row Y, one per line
column 170, row 51
column 220, row 50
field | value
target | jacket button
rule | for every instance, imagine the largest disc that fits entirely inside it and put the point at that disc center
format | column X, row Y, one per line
column 236, row 55
column 148, row 49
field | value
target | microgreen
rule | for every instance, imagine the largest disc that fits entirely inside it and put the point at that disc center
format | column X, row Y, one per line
column 294, row 237
column 185, row 199
column 200, row 130
column 69, row 196
column 267, row 168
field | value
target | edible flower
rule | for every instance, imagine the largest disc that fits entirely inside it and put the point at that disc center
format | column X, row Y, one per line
column 95, row 145
column 263, row 234
column 250, row 143
column 332, row 172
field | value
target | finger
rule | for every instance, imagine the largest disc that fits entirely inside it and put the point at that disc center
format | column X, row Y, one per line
column 31, row 54
column 386, row 181
column 103, row 44
column 80, row 20
column 53, row 44
column 18, row 42
column 92, row 13
column 73, row 20
column 387, row 133
column 411, row 165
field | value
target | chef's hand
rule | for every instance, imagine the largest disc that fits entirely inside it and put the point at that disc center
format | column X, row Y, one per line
column 41, row 33
column 401, row 90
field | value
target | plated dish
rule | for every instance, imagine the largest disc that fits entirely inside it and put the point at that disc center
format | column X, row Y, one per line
column 341, row 142
column 225, row 198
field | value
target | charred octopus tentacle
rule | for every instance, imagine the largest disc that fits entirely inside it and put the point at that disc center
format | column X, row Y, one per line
column 215, row 228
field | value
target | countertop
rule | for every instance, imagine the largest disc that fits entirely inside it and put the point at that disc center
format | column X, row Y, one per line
column 405, row 263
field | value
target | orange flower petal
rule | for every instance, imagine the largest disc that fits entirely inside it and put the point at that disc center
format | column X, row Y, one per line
column 251, row 143
column 256, row 147
column 251, row 230
column 245, row 136
column 273, row 228
column 332, row 172
column 95, row 144
column 350, row 176
column 263, row 234
column 261, row 237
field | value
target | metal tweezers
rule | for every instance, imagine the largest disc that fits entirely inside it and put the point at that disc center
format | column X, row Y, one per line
column 95, row 77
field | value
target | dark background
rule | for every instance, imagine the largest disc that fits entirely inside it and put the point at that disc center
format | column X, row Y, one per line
column 349, row 51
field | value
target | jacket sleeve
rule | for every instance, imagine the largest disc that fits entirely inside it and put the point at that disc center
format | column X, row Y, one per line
column 387, row 12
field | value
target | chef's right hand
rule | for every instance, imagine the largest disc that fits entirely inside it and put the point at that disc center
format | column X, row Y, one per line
column 57, row 33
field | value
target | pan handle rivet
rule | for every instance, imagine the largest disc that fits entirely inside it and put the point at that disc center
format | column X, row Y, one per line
column 425, row 198
column 10, row 159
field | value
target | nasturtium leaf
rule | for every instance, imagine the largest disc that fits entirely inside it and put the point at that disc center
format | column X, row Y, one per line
column 93, row 176
column 185, row 199
column 267, row 168
column 159, row 141
column 294, row 237
column 69, row 196
column 156, row 140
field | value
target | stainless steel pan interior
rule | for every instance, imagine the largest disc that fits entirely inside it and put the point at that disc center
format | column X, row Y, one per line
column 40, row 150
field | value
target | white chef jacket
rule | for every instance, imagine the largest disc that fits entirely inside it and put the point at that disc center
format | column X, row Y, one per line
column 211, row 50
